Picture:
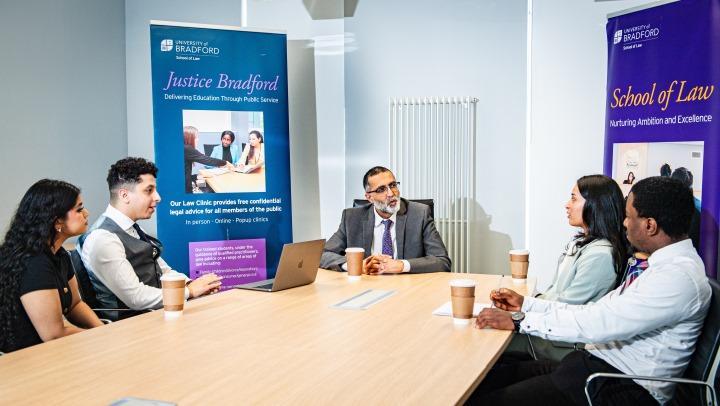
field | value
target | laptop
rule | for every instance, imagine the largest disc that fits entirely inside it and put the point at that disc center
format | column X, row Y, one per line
column 298, row 266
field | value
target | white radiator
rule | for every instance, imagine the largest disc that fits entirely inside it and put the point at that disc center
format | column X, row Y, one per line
column 432, row 151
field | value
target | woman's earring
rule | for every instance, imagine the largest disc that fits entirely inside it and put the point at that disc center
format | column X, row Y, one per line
column 59, row 229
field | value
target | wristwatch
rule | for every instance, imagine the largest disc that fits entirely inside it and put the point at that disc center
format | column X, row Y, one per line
column 517, row 318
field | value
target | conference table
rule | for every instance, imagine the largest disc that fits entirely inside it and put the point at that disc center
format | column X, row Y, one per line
column 235, row 182
column 287, row 347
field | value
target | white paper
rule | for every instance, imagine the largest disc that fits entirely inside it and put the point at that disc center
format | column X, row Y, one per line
column 246, row 169
column 446, row 309
column 216, row 171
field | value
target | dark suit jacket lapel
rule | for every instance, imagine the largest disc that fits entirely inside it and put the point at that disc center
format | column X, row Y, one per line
column 368, row 228
column 400, row 229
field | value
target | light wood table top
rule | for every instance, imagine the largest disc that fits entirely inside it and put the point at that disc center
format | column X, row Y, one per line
column 236, row 182
column 288, row 347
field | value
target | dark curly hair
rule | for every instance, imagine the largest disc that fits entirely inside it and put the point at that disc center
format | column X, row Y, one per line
column 31, row 232
column 604, row 213
column 684, row 176
column 127, row 171
column 228, row 133
column 665, row 170
column 666, row 200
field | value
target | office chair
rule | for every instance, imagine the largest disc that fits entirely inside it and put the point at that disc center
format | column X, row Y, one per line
column 426, row 202
column 89, row 296
column 209, row 148
column 696, row 382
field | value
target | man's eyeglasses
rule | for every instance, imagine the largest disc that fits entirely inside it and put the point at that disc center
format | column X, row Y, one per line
column 383, row 189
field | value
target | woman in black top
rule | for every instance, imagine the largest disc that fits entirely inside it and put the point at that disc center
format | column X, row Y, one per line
column 37, row 284
column 190, row 138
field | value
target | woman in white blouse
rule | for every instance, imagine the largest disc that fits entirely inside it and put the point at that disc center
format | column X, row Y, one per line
column 593, row 261
column 253, row 155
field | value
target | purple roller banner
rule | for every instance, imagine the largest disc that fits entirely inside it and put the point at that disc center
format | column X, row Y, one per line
column 663, row 105
column 236, row 261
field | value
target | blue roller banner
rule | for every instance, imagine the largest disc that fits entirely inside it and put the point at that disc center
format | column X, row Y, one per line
column 220, row 114
column 663, row 111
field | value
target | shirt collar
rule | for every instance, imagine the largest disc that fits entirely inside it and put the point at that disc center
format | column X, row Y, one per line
column 58, row 255
column 671, row 251
column 118, row 217
column 379, row 220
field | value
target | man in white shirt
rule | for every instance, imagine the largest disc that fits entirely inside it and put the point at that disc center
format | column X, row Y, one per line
column 647, row 326
column 124, row 263
column 398, row 236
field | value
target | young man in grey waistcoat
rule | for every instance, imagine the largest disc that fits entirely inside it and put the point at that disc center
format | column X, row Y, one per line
column 124, row 263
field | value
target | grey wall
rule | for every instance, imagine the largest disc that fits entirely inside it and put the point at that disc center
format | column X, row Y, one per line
column 62, row 110
column 453, row 48
column 303, row 142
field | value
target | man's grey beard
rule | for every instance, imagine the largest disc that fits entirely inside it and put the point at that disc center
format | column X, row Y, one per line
column 386, row 208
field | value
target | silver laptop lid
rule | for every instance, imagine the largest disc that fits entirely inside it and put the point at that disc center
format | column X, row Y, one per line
column 299, row 264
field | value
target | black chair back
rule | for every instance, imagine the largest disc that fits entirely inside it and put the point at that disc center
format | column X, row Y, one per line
column 426, row 202
column 87, row 292
column 208, row 148
column 702, row 360
column 89, row 295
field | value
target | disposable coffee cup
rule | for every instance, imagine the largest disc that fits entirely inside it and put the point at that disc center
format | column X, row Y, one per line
column 354, row 259
column 173, row 291
column 519, row 262
column 462, row 295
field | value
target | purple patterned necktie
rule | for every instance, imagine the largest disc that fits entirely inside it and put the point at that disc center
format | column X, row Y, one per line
column 636, row 266
column 387, row 248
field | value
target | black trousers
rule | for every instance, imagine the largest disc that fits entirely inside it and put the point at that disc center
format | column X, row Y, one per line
column 518, row 380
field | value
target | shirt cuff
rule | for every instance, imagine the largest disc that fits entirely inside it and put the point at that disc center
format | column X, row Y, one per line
column 344, row 266
column 528, row 324
column 187, row 293
column 527, row 304
column 406, row 265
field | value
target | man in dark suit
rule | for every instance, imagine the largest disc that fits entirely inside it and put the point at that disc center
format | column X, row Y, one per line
column 397, row 235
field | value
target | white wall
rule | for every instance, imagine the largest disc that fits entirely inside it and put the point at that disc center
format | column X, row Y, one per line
column 454, row 48
column 677, row 154
column 62, row 113
column 569, row 74
column 319, row 134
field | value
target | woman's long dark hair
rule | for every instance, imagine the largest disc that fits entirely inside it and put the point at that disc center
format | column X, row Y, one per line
column 604, row 213
column 31, row 232
column 251, row 153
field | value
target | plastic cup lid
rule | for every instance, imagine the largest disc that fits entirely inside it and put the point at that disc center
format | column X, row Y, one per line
column 462, row 283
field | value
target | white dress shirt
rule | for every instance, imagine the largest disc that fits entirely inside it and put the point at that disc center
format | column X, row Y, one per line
column 649, row 329
column 378, row 232
column 104, row 255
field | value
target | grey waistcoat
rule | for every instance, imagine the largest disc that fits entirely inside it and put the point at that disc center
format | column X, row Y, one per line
column 140, row 255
